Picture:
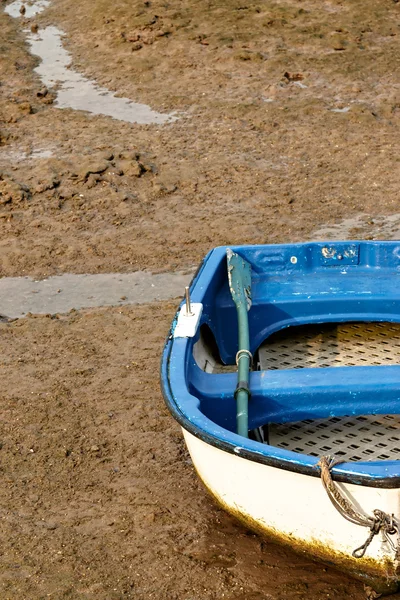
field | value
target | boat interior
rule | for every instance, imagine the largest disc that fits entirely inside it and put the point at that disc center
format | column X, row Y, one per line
column 325, row 341
column 353, row 436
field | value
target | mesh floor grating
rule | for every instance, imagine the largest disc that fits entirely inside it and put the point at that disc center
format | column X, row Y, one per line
column 332, row 345
column 363, row 438
column 366, row 438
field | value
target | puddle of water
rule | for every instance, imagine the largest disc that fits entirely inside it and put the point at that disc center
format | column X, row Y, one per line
column 300, row 85
column 76, row 91
column 31, row 9
column 60, row 294
column 40, row 154
column 339, row 231
column 341, row 110
column 22, row 155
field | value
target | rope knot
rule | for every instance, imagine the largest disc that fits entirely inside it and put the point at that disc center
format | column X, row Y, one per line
column 380, row 522
column 385, row 521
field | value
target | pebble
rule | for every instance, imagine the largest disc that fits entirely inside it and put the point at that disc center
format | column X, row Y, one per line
column 42, row 92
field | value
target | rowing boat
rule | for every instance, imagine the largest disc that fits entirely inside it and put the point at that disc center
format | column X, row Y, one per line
column 283, row 368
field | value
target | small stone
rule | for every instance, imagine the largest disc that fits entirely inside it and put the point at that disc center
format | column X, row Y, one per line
column 94, row 448
column 34, row 28
column 42, row 92
column 22, row 10
column 293, row 76
column 137, row 46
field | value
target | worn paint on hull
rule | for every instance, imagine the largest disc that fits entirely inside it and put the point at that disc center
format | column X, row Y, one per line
column 378, row 568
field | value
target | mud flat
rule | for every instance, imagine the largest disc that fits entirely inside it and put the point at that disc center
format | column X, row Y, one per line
column 234, row 168
column 288, row 130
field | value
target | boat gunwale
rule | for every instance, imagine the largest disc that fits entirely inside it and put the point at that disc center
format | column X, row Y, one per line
column 271, row 456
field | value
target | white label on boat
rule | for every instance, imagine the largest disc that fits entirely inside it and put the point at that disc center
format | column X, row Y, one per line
column 187, row 324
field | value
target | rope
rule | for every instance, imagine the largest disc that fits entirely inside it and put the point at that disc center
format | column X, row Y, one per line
column 381, row 521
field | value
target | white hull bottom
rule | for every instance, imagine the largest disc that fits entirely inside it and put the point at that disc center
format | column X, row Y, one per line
column 295, row 509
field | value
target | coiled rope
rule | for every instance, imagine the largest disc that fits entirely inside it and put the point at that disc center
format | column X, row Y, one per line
column 380, row 522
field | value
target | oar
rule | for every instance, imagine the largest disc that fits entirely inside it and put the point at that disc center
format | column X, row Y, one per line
column 239, row 276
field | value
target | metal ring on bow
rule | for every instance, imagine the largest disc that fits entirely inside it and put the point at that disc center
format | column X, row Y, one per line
column 244, row 353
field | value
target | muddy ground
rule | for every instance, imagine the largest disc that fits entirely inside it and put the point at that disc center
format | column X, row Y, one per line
column 100, row 499
column 255, row 157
